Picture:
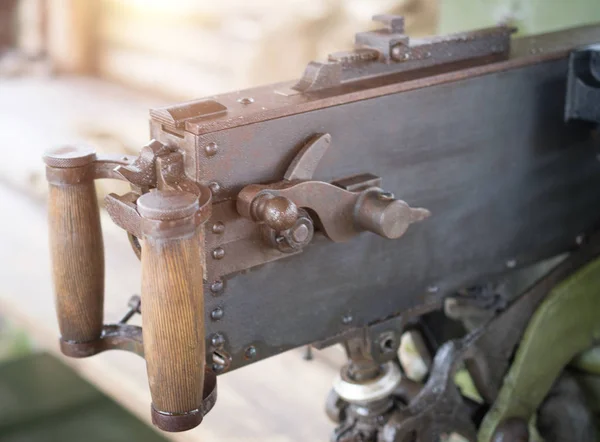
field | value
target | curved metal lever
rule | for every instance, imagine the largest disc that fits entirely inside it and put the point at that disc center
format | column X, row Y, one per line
column 343, row 212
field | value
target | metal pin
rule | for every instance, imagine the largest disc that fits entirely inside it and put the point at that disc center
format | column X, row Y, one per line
column 135, row 306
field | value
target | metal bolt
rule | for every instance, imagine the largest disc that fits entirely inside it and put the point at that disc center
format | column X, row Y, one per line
column 135, row 306
column 246, row 100
column 214, row 187
column 300, row 233
column 217, row 286
column 511, row 263
column 211, row 149
column 218, row 228
column 217, row 340
column 250, row 352
column 347, row 319
column 218, row 253
column 217, row 314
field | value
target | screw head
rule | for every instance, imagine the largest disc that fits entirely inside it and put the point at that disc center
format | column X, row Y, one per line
column 300, row 233
column 218, row 228
column 250, row 352
column 218, row 253
column 217, row 286
column 211, row 149
column 217, row 368
column 217, row 314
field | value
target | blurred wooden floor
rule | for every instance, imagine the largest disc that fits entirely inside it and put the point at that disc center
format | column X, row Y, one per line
column 277, row 400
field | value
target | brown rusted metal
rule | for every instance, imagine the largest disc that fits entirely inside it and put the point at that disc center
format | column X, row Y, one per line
column 176, row 422
column 342, row 214
column 113, row 337
column 389, row 51
column 245, row 179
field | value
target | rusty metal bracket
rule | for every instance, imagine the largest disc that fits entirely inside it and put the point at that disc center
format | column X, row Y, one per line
column 342, row 213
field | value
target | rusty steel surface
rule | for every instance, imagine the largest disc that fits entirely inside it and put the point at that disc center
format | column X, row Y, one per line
column 279, row 216
column 271, row 101
column 490, row 157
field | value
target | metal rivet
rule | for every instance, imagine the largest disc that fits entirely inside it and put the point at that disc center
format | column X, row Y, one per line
column 217, row 286
column 214, row 187
column 218, row 227
column 347, row 319
column 217, row 314
column 246, row 100
column 511, row 263
column 217, row 368
column 217, row 340
column 211, row 149
column 250, row 352
column 218, row 253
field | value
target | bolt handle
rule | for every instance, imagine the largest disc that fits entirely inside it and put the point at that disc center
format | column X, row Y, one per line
column 380, row 213
column 76, row 245
column 172, row 296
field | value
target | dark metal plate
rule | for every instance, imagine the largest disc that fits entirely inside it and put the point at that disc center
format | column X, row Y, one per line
column 507, row 182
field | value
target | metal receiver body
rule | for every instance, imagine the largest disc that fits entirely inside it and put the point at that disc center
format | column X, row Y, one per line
column 339, row 207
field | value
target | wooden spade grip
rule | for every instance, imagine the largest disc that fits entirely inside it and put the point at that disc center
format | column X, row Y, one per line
column 173, row 307
column 76, row 245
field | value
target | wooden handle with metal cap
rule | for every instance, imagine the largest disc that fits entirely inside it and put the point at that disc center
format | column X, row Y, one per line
column 76, row 245
column 173, row 306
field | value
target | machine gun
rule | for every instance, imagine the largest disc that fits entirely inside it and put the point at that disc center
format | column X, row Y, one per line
column 395, row 187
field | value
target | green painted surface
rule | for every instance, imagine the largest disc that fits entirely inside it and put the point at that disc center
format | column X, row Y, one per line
column 564, row 325
column 588, row 361
column 530, row 16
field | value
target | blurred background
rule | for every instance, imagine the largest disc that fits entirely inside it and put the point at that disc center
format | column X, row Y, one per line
column 87, row 71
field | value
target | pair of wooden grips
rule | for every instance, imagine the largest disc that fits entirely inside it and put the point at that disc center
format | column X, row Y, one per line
column 172, row 281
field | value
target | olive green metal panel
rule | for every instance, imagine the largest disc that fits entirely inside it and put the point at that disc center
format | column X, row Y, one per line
column 564, row 325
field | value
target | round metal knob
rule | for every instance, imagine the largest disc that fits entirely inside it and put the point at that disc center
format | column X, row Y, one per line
column 380, row 213
column 277, row 212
